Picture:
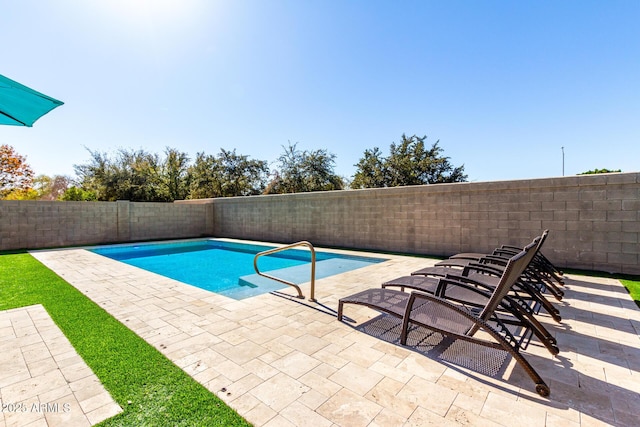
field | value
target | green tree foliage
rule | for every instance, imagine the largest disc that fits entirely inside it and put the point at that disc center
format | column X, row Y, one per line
column 595, row 171
column 134, row 175
column 175, row 174
column 95, row 176
column 408, row 163
column 303, row 171
column 226, row 175
column 371, row 170
column 15, row 174
column 22, row 194
column 138, row 177
column 204, row 180
column 76, row 194
column 241, row 176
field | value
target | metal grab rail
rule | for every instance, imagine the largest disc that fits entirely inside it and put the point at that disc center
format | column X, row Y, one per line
column 286, row 282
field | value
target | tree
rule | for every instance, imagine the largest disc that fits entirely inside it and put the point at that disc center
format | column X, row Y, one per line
column 76, row 194
column 133, row 175
column 409, row 163
column 303, row 171
column 319, row 171
column 204, row 181
column 93, row 176
column 371, row 170
column 227, row 175
column 138, row 177
column 43, row 187
column 22, row 194
column 175, row 174
column 240, row 176
column 15, row 173
column 51, row 188
column 596, row 171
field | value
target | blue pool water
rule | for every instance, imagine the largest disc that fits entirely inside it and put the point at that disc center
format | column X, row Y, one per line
column 227, row 267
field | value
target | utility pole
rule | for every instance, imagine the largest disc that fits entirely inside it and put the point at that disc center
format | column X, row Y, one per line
column 562, row 161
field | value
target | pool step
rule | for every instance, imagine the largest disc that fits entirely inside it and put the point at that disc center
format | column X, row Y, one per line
column 254, row 284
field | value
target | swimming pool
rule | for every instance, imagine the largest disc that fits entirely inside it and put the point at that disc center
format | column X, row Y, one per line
column 227, row 267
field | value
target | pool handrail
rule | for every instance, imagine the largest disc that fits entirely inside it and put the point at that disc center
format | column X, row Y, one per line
column 286, row 282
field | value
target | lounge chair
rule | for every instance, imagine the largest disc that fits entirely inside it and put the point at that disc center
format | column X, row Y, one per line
column 452, row 319
column 541, row 270
column 533, row 274
column 529, row 285
column 518, row 309
column 541, row 261
column 523, row 290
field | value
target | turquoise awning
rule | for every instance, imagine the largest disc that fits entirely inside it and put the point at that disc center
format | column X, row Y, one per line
column 22, row 106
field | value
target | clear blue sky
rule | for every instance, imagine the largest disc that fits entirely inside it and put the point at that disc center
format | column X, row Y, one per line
column 502, row 84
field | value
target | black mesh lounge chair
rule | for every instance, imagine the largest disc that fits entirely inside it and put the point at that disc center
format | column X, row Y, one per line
column 533, row 274
column 454, row 320
column 517, row 309
column 529, row 285
column 474, row 295
column 541, row 261
column 523, row 290
column 540, row 271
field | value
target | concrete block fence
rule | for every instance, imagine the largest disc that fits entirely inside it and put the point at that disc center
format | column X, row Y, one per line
column 594, row 220
column 41, row 224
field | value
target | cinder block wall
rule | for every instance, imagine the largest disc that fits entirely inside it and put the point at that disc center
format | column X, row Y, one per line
column 594, row 220
column 40, row 224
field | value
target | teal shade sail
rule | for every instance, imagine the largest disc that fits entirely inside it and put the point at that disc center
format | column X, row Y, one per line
column 22, row 106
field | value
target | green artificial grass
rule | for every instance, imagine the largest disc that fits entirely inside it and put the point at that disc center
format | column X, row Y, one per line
column 633, row 286
column 151, row 390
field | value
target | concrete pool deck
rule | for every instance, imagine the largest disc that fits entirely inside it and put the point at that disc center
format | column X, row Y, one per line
column 284, row 362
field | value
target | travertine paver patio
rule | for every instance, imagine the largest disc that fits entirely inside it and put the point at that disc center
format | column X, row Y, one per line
column 280, row 362
column 43, row 381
